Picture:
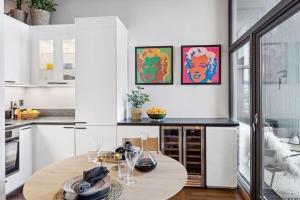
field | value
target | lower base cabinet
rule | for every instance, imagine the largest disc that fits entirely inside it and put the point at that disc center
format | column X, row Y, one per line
column 52, row 143
column 25, row 153
column 86, row 136
column 221, row 157
column 16, row 180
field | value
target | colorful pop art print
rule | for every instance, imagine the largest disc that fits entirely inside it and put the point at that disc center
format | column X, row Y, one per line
column 154, row 65
column 201, row 64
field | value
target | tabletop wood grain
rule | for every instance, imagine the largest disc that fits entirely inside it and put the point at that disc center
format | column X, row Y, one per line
column 168, row 178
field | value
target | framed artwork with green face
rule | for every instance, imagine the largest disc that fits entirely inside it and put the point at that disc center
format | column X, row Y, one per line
column 154, row 65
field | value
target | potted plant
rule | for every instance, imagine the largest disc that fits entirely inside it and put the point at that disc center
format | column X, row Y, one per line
column 41, row 11
column 137, row 98
column 18, row 13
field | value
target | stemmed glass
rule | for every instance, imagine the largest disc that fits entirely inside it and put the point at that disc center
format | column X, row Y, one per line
column 95, row 149
column 131, row 156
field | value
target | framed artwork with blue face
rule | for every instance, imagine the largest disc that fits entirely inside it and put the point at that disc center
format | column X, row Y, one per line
column 154, row 65
column 201, row 65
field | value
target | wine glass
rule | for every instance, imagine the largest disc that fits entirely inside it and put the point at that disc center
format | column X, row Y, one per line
column 131, row 156
column 95, row 149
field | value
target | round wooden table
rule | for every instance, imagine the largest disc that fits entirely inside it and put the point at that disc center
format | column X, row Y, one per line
column 168, row 178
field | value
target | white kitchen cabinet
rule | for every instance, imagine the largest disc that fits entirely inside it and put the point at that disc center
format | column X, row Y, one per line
column 25, row 153
column 135, row 132
column 16, row 180
column 101, row 70
column 53, row 54
column 221, row 157
column 13, row 182
column 52, row 143
column 87, row 135
column 16, row 51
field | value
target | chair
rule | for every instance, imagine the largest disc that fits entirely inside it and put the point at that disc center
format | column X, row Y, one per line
column 273, row 147
column 152, row 143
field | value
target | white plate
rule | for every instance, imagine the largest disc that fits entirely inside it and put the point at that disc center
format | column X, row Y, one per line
column 100, row 185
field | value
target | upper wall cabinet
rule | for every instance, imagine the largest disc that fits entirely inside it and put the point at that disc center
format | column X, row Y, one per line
column 53, row 55
column 16, row 52
column 101, row 70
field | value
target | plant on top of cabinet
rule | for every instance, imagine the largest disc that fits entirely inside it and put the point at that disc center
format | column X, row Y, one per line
column 41, row 11
column 18, row 13
column 137, row 98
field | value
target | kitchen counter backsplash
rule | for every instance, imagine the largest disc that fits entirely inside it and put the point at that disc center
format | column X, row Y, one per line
column 57, row 112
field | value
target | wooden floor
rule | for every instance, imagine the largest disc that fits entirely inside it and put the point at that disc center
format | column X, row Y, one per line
column 185, row 194
column 207, row 194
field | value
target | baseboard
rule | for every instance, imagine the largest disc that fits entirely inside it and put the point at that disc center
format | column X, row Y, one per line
column 243, row 192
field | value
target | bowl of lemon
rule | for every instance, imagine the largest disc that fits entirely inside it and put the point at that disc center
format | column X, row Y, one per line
column 156, row 113
column 30, row 114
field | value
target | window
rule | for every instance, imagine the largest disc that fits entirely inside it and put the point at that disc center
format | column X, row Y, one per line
column 246, row 13
column 280, row 66
column 241, row 110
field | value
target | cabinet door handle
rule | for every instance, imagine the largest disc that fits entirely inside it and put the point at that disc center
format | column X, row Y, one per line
column 82, row 128
column 80, row 122
column 25, row 128
column 68, row 127
column 10, row 81
column 57, row 83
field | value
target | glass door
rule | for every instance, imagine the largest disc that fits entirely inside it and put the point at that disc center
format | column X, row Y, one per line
column 171, row 142
column 193, row 154
column 242, row 111
column 280, row 107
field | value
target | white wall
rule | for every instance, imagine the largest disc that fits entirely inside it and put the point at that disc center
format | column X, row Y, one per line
column 51, row 98
column 2, row 135
column 167, row 22
column 41, row 98
column 13, row 94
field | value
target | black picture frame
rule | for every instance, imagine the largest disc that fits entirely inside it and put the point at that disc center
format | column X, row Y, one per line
column 220, row 64
column 154, row 47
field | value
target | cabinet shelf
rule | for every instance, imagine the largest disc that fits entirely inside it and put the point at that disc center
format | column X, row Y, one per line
column 171, row 143
column 171, row 149
column 173, row 155
column 193, row 149
column 193, row 163
column 193, row 137
column 193, row 156
column 193, row 143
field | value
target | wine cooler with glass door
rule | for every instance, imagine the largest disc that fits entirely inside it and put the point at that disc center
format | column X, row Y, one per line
column 186, row 145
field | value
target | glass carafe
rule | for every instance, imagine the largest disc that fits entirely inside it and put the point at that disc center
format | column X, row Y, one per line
column 146, row 161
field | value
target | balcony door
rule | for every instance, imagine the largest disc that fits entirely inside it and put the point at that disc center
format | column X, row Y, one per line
column 242, row 110
column 279, row 106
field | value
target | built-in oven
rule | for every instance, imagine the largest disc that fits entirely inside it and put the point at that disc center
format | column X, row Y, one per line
column 12, row 152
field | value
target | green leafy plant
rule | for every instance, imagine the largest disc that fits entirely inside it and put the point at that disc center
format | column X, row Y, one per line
column 19, row 4
column 47, row 5
column 137, row 97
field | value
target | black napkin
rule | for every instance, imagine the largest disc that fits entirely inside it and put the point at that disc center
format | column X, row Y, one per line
column 90, row 178
column 94, row 175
